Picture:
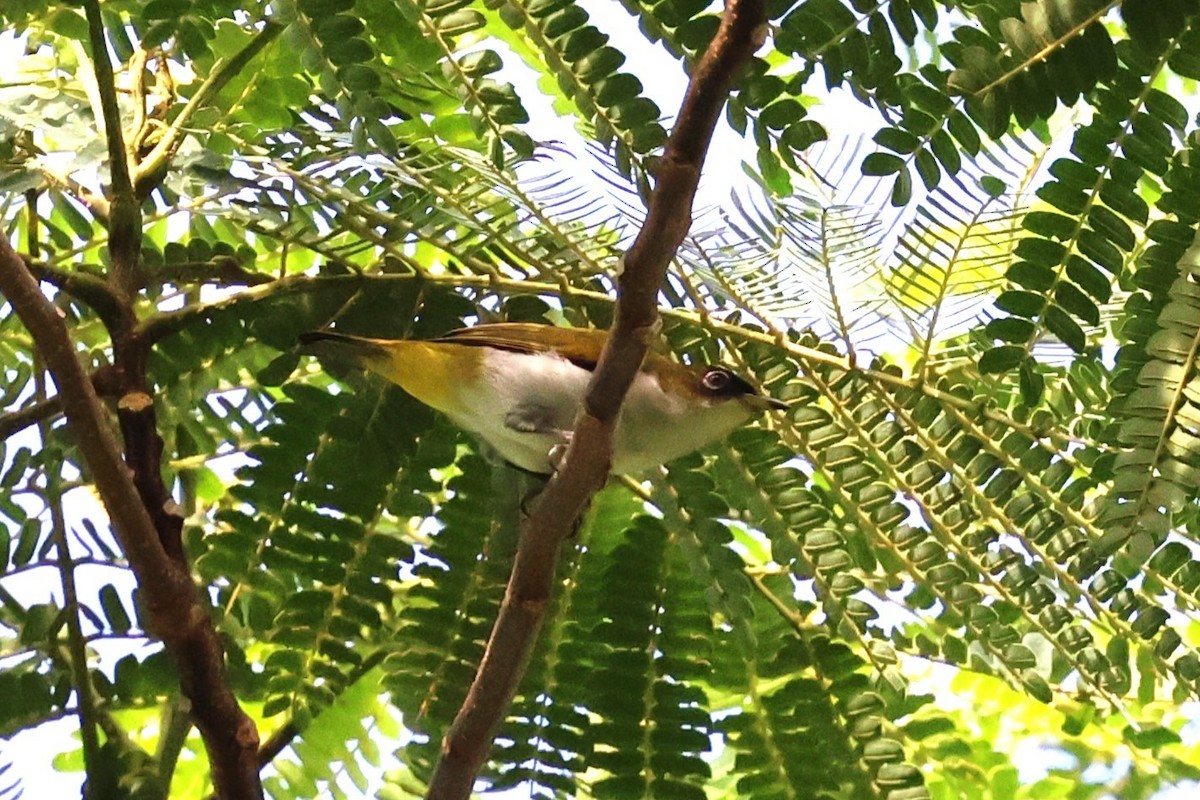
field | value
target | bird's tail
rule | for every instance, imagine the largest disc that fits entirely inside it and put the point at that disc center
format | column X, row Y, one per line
column 356, row 349
column 423, row 369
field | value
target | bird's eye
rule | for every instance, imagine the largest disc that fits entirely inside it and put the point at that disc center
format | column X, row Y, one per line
column 717, row 380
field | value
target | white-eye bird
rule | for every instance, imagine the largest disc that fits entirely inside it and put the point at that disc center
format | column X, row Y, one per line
column 519, row 387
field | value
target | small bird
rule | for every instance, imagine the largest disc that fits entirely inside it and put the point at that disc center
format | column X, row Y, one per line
column 519, row 387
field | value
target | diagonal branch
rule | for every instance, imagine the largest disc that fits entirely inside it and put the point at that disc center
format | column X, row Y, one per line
column 84, row 286
column 173, row 604
column 150, row 171
column 585, row 466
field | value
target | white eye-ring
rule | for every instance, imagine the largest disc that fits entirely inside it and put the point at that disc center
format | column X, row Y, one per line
column 716, row 380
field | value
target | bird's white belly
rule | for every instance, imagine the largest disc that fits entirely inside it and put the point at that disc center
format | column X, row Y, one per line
column 654, row 427
column 511, row 382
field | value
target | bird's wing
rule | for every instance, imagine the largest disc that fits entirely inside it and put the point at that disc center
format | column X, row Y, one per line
column 580, row 346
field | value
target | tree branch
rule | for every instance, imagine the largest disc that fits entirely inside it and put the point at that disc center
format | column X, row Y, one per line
column 173, row 604
column 162, row 324
column 220, row 271
column 585, row 466
column 95, row 202
column 150, row 171
column 125, row 216
column 288, row 732
column 103, row 381
column 83, row 286
column 137, row 66
column 98, row 776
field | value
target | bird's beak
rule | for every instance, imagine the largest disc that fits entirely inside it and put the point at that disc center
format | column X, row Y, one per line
column 763, row 403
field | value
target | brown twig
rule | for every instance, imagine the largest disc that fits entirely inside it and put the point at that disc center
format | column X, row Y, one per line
column 96, row 202
column 103, row 381
column 85, row 693
column 287, row 733
column 31, row 414
column 585, row 466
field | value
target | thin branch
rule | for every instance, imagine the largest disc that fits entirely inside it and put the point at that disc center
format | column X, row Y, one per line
column 220, row 271
column 98, row 774
column 175, row 723
column 585, row 466
column 99, row 777
column 174, row 608
column 137, row 66
column 83, row 286
column 152, row 168
column 288, row 732
column 163, row 324
column 96, row 203
column 277, row 742
column 125, row 219
column 102, row 381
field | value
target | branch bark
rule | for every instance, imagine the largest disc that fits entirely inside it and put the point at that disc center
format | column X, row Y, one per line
column 153, row 167
column 125, row 214
column 83, row 286
column 103, row 380
column 176, row 613
column 585, row 466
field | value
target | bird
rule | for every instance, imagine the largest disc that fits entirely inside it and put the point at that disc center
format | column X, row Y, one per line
column 519, row 387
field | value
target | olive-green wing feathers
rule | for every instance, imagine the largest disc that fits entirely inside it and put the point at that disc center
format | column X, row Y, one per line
column 580, row 346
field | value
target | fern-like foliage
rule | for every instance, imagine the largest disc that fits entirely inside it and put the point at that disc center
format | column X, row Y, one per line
column 1075, row 251
column 1154, row 474
column 981, row 507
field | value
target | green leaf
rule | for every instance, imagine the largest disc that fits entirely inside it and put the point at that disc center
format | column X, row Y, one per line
column 1066, row 329
column 882, row 164
column 27, row 541
column 1001, row 359
column 1151, row 738
column 459, row 22
column 897, row 140
column 1032, row 384
column 114, row 609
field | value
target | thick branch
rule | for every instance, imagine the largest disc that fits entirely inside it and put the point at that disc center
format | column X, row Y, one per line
column 86, row 415
column 586, row 464
column 174, row 606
